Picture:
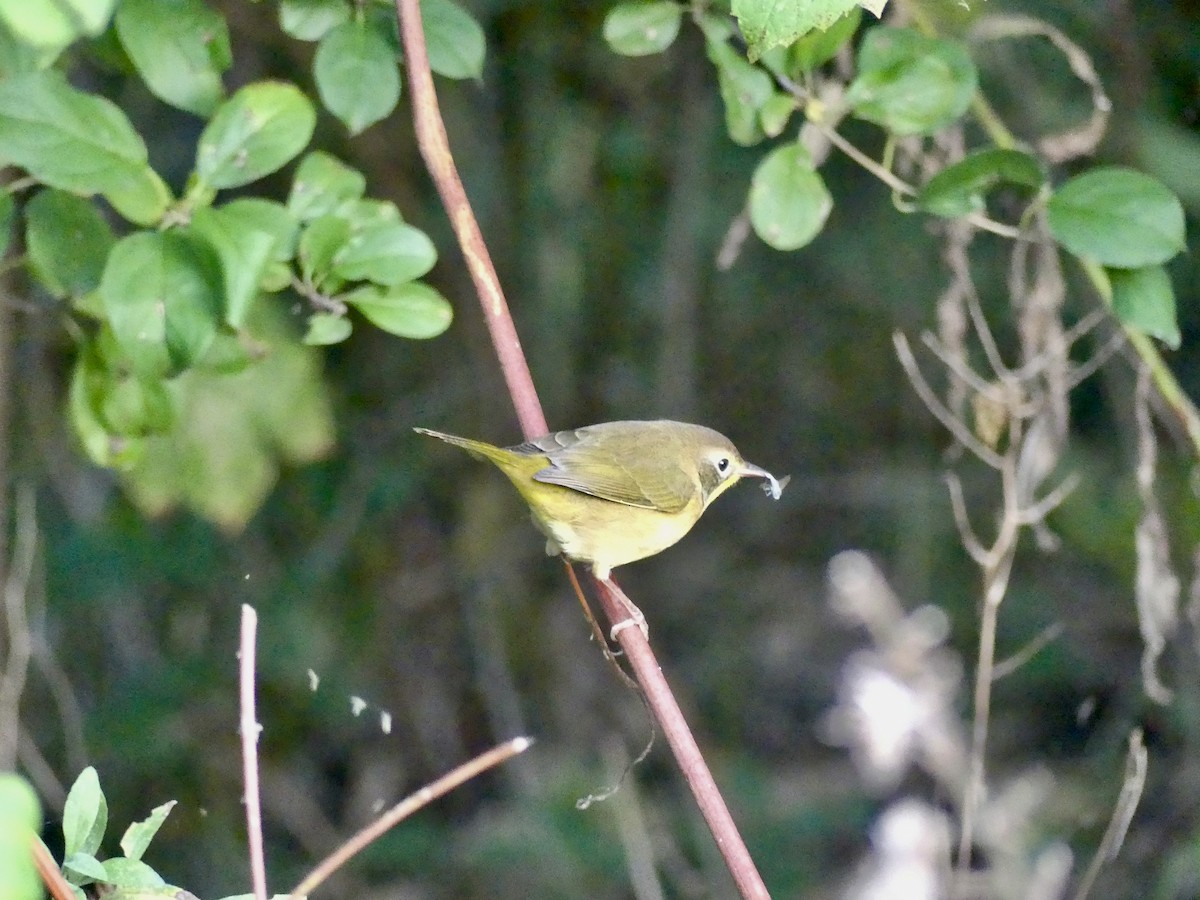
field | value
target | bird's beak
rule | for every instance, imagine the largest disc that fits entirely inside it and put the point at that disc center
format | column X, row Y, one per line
column 774, row 486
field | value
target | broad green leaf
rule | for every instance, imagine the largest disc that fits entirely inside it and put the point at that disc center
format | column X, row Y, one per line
column 8, row 212
column 319, row 243
column 85, row 815
column 820, row 45
column 131, row 406
column 789, row 202
column 745, row 88
column 1117, row 217
column 253, row 133
column 327, row 328
column 179, row 47
column 86, row 395
column 910, row 83
column 83, row 868
column 453, row 38
column 162, row 292
column 78, row 142
column 357, row 75
column 53, row 24
column 412, row 310
column 20, row 820
column 68, row 242
column 960, row 188
column 642, row 28
column 233, row 430
column 311, row 20
column 385, row 252
column 244, row 246
column 770, row 23
column 323, row 184
column 1144, row 299
column 131, row 874
column 20, row 58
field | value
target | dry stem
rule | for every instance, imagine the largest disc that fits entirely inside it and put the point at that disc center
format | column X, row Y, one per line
column 250, row 729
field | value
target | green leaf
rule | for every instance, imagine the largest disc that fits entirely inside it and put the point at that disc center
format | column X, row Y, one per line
column 85, row 815
column 770, row 23
column 131, row 874
column 162, row 292
column 83, row 868
column 86, row 395
column 311, row 20
column 319, row 243
column 1144, row 299
column 68, row 242
column 180, row 48
column 323, row 184
column 820, row 45
column 959, row 189
column 910, row 83
column 745, row 88
column 20, row 820
column 789, row 202
column 130, row 406
column 775, row 113
column 357, row 75
column 80, row 143
column 256, row 131
column 412, row 310
column 386, row 252
column 327, row 328
column 245, row 243
column 20, row 58
column 1118, row 217
column 54, row 25
column 454, row 40
column 642, row 28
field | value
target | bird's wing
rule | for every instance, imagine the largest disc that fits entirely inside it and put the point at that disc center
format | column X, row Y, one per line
column 574, row 463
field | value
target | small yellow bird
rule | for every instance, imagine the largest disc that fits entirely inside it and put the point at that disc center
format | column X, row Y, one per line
column 617, row 492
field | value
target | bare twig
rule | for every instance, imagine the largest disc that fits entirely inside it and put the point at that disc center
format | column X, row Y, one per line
column 435, row 150
column 406, row 808
column 250, row 730
column 1127, row 803
column 47, row 868
column 20, row 642
column 1035, row 646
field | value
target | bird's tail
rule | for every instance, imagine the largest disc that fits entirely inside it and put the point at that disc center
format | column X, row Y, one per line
column 478, row 449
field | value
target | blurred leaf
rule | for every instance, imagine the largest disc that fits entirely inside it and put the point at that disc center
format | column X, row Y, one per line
column 323, row 184
column 411, row 310
column 319, row 243
column 162, row 294
column 769, row 23
column 232, row 431
column 959, row 189
column 88, row 386
column 910, row 83
column 1117, row 217
column 453, row 38
column 311, row 20
column 385, row 252
column 244, row 246
column 78, row 142
column 1144, row 299
column 256, row 131
column 130, row 873
column 53, row 24
column 85, row 815
column 180, row 48
column 822, row 44
column 130, row 406
column 357, row 75
column 327, row 328
column 789, row 202
column 83, row 868
column 744, row 90
column 8, row 212
column 642, row 28
column 20, row 58
column 20, row 820
column 68, row 242
column 775, row 114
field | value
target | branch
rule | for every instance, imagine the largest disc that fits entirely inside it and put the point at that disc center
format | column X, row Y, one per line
column 435, row 150
column 250, row 729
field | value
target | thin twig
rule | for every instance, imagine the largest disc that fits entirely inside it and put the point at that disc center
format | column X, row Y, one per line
column 407, row 807
column 250, row 730
column 47, row 868
column 1038, row 511
column 1127, row 802
column 1035, row 646
column 20, row 641
column 962, row 519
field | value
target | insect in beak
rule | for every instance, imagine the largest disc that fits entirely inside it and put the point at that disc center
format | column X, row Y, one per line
column 773, row 487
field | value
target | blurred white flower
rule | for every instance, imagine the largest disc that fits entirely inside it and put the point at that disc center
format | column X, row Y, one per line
column 911, row 858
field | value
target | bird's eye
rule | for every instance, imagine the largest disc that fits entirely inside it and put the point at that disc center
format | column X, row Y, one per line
column 723, row 465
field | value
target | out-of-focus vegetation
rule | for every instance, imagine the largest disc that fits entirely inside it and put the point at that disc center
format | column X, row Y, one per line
column 276, row 465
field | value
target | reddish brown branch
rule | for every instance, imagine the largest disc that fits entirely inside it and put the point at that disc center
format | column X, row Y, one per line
column 435, row 150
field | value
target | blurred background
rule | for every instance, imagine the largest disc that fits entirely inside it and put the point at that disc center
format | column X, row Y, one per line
column 400, row 571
